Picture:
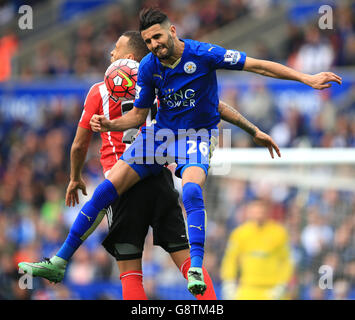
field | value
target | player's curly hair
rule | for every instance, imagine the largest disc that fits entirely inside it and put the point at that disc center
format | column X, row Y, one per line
column 137, row 44
column 151, row 16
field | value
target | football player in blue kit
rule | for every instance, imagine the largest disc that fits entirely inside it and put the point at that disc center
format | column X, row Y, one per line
column 182, row 74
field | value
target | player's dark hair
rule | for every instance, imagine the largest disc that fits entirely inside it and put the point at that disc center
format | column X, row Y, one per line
column 137, row 44
column 151, row 16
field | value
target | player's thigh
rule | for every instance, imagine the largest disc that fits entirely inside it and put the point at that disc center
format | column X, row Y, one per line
column 129, row 218
column 194, row 174
column 123, row 176
column 129, row 265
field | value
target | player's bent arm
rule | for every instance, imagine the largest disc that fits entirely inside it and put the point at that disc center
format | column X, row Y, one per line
column 132, row 119
column 276, row 70
column 232, row 116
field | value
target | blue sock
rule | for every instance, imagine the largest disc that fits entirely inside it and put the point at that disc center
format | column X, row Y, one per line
column 196, row 261
column 196, row 216
column 103, row 196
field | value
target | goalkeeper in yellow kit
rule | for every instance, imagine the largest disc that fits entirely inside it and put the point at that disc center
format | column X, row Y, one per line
column 258, row 251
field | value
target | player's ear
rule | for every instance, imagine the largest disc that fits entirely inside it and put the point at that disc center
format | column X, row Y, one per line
column 130, row 56
column 172, row 30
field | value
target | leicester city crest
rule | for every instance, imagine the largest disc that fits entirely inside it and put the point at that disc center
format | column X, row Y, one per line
column 190, row 67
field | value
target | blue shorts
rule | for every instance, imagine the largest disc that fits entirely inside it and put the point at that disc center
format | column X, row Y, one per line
column 155, row 147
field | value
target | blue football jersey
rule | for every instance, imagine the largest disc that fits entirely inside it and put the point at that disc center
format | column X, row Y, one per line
column 187, row 90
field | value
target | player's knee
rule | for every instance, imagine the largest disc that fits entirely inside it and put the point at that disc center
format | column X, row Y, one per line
column 104, row 194
column 192, row 195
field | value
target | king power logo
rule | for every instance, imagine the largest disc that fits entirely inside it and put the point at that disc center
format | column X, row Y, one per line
column 181, row 98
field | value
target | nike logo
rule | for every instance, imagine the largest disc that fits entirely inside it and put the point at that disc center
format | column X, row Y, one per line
column 210, row 48
column 89, row 218
column 34, row 265
column 197, row 227
column 127, row 79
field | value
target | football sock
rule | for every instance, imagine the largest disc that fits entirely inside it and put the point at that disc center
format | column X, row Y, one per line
column 87, row 219
column 209, row 293
column 132, row 285
column 196, row 216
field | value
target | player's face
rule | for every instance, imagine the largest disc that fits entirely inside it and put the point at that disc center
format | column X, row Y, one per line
column 120, row 51
column 159, row 40
column 257, row 212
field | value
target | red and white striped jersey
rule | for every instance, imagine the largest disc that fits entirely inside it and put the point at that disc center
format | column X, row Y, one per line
column 114, row 143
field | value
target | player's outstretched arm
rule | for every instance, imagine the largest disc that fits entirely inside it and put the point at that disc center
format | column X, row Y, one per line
column 272, row 69
column 132, row 119
column 232, row 116
column 78, row 153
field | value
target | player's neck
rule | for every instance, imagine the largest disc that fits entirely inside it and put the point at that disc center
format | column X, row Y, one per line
column 178, row 51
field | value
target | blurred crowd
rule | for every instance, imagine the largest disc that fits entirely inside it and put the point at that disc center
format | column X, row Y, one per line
column 293, row 124
column 320, row 223
column 306, row 47
column 90, row 46
column 311, row 50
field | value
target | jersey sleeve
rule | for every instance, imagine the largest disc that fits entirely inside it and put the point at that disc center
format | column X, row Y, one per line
column 221, row 58
column 145, row 93
column 91, row 107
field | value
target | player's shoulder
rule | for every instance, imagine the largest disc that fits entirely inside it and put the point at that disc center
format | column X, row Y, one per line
column 200, row 48
column 277, row 227
column 95, row 88
column 95, row 92
column 147, row 62
column 245, row 229
column 241, row 230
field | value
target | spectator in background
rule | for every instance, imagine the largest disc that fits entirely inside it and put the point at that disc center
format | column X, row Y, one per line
column 315, row 54
column 257, row 105
column 317, row 234
column 349, row 51
column 259, row 250
column 8, row 48
column 341, row 289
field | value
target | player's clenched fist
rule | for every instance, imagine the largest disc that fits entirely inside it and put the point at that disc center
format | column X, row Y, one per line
column 99, row 123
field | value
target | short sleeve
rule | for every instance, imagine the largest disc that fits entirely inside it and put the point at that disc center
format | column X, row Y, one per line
column 221, row 58
column 145, row 93
column 91, row 106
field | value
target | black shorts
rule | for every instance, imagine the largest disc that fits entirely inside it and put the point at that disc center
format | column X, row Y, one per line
column 151, row 202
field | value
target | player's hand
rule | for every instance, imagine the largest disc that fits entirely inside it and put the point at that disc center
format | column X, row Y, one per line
column 264, row 140
column 278, row 292
column 99, row 123
column 72, row 197
column 322, row 80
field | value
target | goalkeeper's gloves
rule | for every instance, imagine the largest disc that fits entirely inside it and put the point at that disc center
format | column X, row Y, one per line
column 229, row 289
column 278, row 292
